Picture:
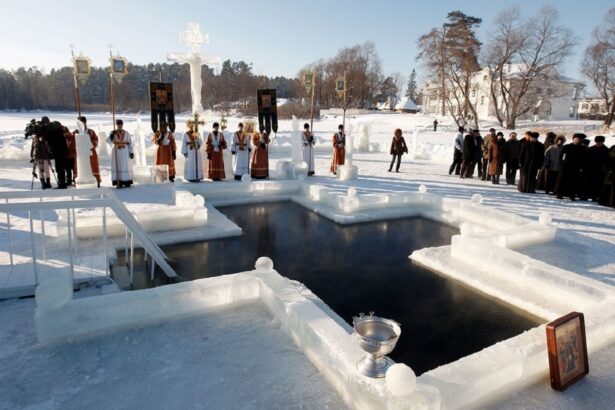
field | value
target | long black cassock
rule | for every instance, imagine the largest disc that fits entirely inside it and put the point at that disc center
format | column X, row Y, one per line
column 572, row 162
column 531, row 159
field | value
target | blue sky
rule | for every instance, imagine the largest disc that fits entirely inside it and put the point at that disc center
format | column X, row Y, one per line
column 278, row 37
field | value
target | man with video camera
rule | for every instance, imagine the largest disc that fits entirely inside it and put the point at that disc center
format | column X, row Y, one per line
column 59, row 147
column 49, row 134
column 40, row 155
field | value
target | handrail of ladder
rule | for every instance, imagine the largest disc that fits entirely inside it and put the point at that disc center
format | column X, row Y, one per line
column 106, row 198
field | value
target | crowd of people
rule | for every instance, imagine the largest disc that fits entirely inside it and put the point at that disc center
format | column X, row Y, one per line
column 575, row 170
column 52, row 141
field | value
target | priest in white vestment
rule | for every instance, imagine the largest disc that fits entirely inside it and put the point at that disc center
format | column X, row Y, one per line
column 241, row 149
column 191, row 149
column 121, row 156
column 308, row 148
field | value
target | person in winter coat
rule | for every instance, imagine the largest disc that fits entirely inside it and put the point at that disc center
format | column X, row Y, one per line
column 54, row 134
column 398, row 148
column 485, row 149
column 573, row 162
column 71, row 157
column 513, row 149
column 541, row 180
column 478, row 153
column 531, row 159
column 457, row 154
column 468, row 154
column 598, row 157
column 607, row 197
column 497, row 156
column 552, row 163
column 40, row 156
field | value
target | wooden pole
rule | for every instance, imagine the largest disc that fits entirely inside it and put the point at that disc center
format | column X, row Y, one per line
column 111, row 85
column 76, row 86
column 345, row 103
column 312, row 106
column 117, row 168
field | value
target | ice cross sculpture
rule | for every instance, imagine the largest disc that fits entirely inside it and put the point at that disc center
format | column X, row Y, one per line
column 194, row 39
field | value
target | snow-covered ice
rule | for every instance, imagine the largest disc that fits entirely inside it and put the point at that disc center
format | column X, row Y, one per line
column 577, row 257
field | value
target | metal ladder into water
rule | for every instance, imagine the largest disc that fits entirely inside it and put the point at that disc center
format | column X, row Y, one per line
column 41, row 201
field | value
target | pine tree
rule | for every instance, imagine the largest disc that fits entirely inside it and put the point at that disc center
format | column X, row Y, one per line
column 411, row 90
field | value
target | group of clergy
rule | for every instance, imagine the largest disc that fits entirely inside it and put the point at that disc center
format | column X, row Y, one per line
column 242, row 146
column 250, row 152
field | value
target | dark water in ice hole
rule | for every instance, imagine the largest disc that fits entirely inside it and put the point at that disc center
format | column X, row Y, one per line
column 361, row 268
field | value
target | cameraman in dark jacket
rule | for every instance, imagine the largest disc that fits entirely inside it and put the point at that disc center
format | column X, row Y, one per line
column 54, row 135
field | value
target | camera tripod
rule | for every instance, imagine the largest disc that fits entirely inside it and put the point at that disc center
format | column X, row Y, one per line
column 35, row 175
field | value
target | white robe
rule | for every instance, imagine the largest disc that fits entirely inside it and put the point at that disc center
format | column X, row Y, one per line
column 308, row 151
column 123, row 163
column 241, row 163
column 193, row 166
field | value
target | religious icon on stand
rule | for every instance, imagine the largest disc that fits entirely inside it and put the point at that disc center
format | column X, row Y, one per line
column 308, row 82
column 161, row 105
column 119, row 68
column 267, row 110
column 340, row 85
column 249, row 128
column 567, row 348
column 82, row 67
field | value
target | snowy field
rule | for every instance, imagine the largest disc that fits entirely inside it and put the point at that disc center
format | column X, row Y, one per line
column 584, row 243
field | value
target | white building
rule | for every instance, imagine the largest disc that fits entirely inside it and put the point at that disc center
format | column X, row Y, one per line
column 593, row 108
column 555, row 100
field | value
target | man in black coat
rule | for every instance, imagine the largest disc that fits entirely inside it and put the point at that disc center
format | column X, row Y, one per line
column 513, row 150
column 531, row 159
column 596, row 168
column 467, row 155
column 457, row 155
column 478, row 152
column 54, row 135
column 572, row 163
column 607, row 197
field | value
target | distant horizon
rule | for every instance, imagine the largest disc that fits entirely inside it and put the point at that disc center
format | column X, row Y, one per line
column 278, row 38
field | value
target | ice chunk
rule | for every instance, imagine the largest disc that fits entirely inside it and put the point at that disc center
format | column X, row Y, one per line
column 264, row 264
column 477, row 199
column 400, row 380
column 54, row 292
column 545, row 218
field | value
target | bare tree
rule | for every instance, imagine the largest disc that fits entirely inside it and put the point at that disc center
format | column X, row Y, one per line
column 599, row 64
column 363, row 75
column 521, row 55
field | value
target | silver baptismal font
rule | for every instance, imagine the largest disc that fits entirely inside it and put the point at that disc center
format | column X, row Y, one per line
column 377, row 336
